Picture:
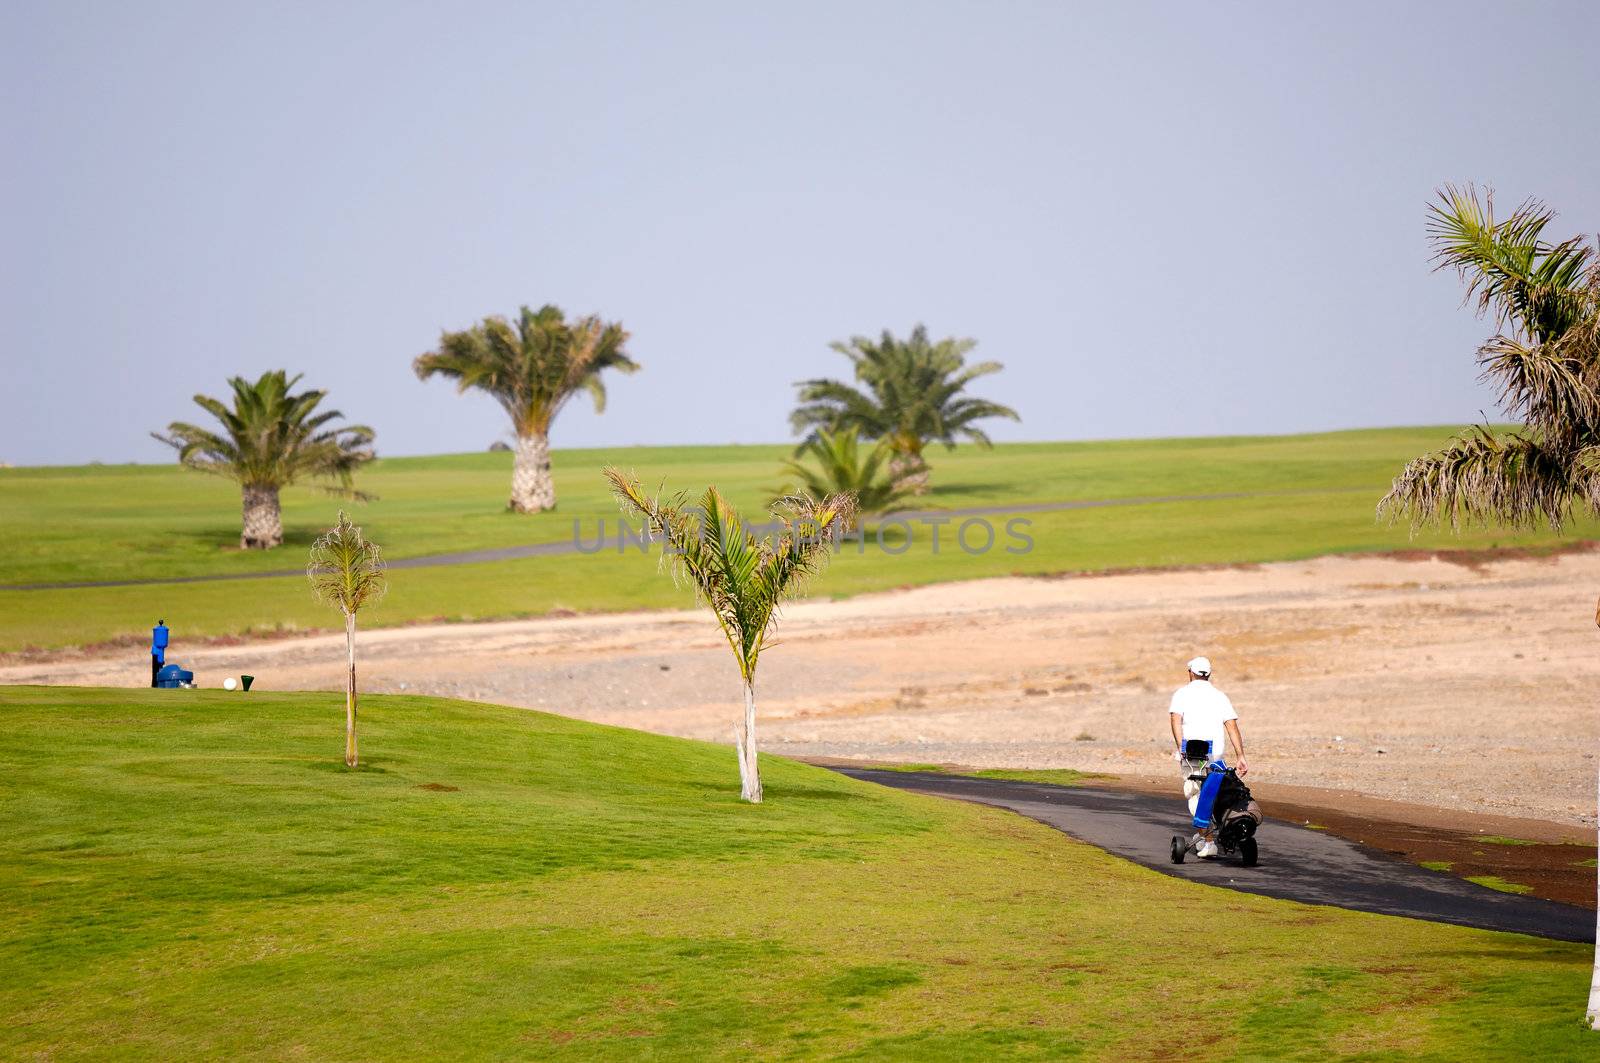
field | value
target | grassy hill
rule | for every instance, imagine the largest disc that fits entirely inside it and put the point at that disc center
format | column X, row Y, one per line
column 1303, row 496
column 194, row 874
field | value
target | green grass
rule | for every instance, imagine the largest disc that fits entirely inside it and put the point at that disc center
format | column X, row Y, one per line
column 195, row 875
column 1437, row 865
column 106, row 523
column 1501, row 839
column 1495, row 882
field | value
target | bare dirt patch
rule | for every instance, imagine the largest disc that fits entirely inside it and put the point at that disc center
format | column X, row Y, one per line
column 1431, row 681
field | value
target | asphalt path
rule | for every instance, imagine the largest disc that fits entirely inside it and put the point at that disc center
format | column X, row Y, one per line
column 580, row 543
column 1297, row 864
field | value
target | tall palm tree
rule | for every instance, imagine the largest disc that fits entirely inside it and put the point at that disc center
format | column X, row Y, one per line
column 1544, row 296
column 742, row 577
column 832, row 463
column 346, row 571
column 911, row 394
column 531, row 368
column 269, row 440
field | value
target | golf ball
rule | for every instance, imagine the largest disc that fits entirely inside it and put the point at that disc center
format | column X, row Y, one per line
column 229, row 683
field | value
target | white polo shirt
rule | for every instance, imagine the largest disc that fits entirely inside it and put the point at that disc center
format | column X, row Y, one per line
column 1204, row 709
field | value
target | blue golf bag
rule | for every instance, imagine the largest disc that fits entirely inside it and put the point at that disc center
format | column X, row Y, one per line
column 1224, row 811
column 1207, row 803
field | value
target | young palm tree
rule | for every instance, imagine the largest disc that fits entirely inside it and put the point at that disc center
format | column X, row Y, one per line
column 911, row 394
column 840, row 468
column 346, row 571
column 742, row 577
column 1544, row 296
column 269, row 440
column 531, row 368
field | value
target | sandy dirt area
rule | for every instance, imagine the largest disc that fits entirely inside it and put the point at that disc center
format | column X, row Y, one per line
column 1461, row 687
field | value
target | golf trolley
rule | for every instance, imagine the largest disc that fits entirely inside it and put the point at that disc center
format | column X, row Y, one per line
column 1225, row 809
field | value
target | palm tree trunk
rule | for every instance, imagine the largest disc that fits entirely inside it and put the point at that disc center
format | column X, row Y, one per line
column 350, row 692
column 908, row 471
column 745, row 740
column 263, row 519
column 533, row 490
column 1594, row 978
column 909, row 474
column 1593, row 1012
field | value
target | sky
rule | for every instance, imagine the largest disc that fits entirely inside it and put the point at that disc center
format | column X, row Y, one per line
column 1164, row 219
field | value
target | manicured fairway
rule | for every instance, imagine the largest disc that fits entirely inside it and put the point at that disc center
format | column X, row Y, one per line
column 1311, row 495
column 190, row 874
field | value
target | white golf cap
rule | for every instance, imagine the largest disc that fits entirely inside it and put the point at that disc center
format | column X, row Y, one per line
column 1200, row 666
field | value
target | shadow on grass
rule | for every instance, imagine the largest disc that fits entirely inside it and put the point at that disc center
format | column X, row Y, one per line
column 336, row 765
column 225, row 537
column 771, row 791
column 1534, row 952
column 943, row 493
column 810, row 793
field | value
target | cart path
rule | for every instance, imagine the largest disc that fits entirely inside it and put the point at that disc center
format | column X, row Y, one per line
column 1296, row 863
column 620, row 543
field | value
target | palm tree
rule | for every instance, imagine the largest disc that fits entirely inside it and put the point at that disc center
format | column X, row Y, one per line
column 841, row 468
column 531, row 368
column 269, row 440
column 1544, row 296
column 742, row 577
column 346, row 571
column 911, row 394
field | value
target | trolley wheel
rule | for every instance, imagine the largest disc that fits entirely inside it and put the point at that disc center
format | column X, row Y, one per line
column 1180, row 848
column 1247, row 852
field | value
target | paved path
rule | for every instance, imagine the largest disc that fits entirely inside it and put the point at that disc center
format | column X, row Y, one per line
column 1296, row 863
column 620, row 544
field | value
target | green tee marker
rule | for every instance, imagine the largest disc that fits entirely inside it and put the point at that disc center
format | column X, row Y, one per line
column 246, row 680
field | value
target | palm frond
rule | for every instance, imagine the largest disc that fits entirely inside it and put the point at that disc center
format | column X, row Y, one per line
column 346, row 569
column 1549, row 386
column 272, row 437
column 908, row 392
column 1481, row 476
column 741, row 576
column 533, row 366
column 1512, row 272
column 831, row 463
column 1544, row 296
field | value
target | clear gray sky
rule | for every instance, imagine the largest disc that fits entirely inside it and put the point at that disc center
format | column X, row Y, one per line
column 1165, row 218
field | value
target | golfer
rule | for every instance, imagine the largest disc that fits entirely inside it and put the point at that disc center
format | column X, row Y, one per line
column 1200, row 711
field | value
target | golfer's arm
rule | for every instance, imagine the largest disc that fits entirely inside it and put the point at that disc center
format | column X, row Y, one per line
column 1237, row 739
column 1177, row 735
